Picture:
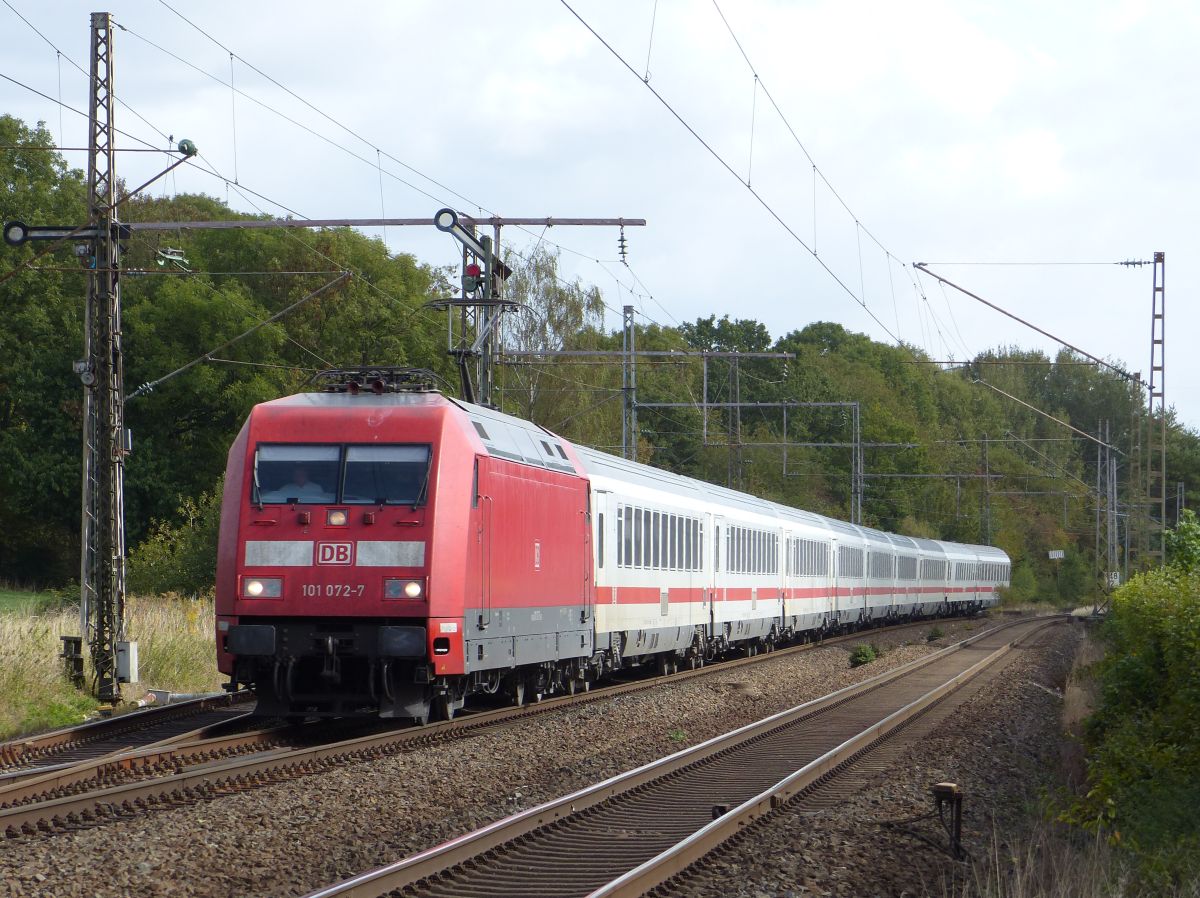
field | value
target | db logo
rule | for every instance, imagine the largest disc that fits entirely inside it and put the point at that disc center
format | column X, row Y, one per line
column 334, row 553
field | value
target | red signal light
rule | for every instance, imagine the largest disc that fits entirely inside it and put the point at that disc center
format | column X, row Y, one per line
column 473, row 271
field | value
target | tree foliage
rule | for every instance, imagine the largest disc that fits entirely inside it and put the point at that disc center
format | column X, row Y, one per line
column 1183, row 542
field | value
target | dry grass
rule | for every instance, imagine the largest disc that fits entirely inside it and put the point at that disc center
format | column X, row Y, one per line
column 175, row 646
column 176, row 642
column 1054, row 862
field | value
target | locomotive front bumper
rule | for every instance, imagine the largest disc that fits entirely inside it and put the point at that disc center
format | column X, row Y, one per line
column 306, row 639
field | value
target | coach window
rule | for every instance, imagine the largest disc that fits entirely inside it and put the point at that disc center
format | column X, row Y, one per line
column 386, row 475
column 304, row 475
column 673, row 542
column 664, row 533
column 600, row 538
column 656, row 540
column 625, row 522
column 647, row 538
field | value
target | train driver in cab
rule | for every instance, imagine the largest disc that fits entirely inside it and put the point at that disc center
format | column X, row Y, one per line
column 299, row 488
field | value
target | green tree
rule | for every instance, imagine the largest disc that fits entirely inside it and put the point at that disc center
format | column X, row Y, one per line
column 552, row 313
column 1183, row 542
column 40, row 397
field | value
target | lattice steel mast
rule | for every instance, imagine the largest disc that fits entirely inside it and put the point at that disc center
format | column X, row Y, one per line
column 1156, row 442
column 102, row 569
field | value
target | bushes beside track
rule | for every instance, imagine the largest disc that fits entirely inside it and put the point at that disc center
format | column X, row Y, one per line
column 180, row 556
column 1144, row 738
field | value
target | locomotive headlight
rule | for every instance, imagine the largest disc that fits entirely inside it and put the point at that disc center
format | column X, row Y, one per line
column 336, row 518
column 403, row 589
column 262, row 588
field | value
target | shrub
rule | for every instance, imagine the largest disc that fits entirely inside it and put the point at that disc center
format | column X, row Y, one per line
column 180, row 556
column 1023, row 586
column 1144, row 739
column 935, row 634
column 862, row 654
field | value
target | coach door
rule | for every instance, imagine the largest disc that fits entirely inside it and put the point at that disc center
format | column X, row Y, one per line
column 715, row 593
column 594, row 571
column 835, row 598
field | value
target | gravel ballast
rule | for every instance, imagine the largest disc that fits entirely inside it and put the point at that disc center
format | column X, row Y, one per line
column 1001, row 746
column 289, row 838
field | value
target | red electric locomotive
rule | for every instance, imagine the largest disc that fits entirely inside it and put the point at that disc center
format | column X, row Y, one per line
column 364, row 527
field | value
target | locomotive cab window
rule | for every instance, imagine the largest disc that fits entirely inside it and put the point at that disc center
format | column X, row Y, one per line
column 305, row 475
column 386, row 475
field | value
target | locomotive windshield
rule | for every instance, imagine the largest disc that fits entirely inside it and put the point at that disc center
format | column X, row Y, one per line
column 306, row 475
column 352, row 475
column 379, row 475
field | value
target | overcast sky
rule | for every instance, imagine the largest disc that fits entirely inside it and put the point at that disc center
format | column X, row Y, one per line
column 954, row 133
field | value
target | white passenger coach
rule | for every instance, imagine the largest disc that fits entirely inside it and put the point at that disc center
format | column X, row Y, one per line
column 688, row 567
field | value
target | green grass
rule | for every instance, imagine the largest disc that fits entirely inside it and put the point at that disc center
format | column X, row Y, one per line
column 18, row 601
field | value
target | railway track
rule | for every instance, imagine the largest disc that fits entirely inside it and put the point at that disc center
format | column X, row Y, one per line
column 194, row 719
column 197, row 765
column 633, row 832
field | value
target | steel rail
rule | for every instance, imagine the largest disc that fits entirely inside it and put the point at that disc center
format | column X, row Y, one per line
column 470, row 846
column 20, row 752
column 678, row 858
column 43, row 809
column 195, row 746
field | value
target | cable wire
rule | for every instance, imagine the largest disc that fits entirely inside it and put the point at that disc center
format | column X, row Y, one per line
column 379, row 151
column 724, row 164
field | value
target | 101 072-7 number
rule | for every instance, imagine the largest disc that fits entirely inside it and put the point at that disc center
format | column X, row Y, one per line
column 331, row 590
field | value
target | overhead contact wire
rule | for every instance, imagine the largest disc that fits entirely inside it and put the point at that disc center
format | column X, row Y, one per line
column 724, row 164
